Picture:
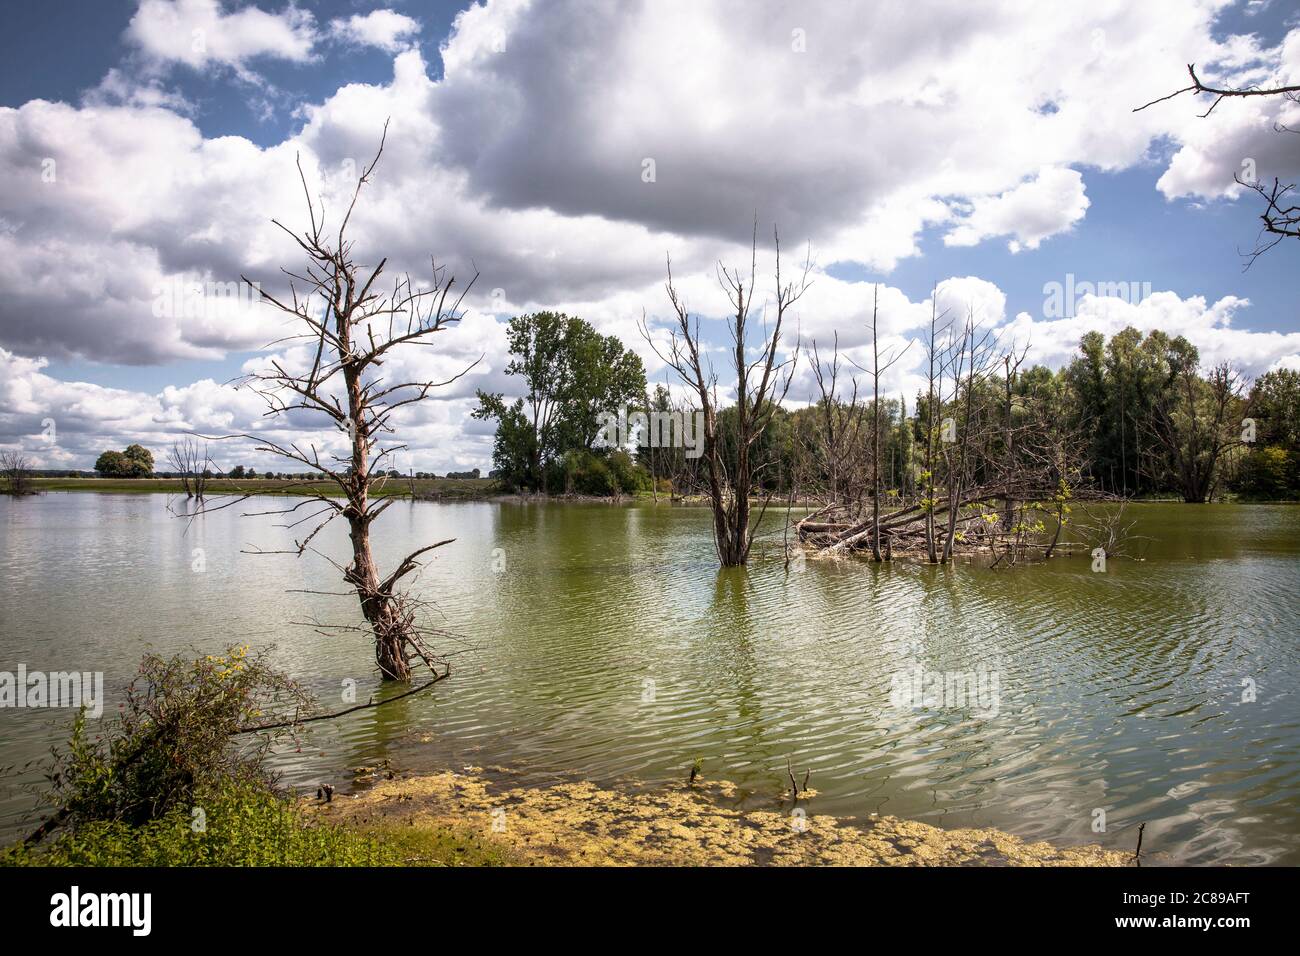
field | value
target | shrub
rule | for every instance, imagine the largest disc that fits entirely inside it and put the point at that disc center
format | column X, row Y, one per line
column 172, row 739
column 1269, row 472
column 165, row 786
column 585, row 474
column 629, row 476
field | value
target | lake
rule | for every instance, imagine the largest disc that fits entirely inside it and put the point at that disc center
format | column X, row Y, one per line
column 603, row 642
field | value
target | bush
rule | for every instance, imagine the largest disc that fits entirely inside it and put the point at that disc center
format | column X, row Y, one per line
column 1269, row 472
column 172, row 739
column 629, row 476
column 165, row 786
column 585, row 474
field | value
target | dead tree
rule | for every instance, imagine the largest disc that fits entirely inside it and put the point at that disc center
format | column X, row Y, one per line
column 838, row 422
column 875, row 372
column 1106, row 527
column 194, row 465
column 351, row 328
column 1011, row 363
column 970, row 355
column 934, row 373
column 761, row 385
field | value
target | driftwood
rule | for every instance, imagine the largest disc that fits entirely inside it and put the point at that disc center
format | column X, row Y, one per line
column 840, row 529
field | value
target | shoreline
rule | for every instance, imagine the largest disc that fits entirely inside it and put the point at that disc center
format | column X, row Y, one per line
column 578, row 823
column 450, row 490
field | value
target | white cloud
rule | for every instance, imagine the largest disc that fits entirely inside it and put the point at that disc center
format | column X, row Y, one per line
column 1050, row 203
column 384, row 29
column 199, row 33
column 1241, row 136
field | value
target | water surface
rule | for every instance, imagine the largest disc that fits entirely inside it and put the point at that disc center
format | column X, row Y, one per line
column 604, row 642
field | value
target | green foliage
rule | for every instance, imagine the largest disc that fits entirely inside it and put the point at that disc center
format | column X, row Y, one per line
column 627, row 474
column 135, row 462
column 614, row 473
column 1271, row 468
column 588, row 474
column 1275, row 405
column 248, row 825
column 165, row 786
column 172, row 738
column 568, row 375
column 1121, row 388
column 1271, row 472
column 232, row 824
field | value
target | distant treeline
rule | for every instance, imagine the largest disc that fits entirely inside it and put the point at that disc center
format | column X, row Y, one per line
column 1132, row 416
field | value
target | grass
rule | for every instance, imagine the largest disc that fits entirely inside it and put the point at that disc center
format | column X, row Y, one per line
column 252, row 827
column 449, row 488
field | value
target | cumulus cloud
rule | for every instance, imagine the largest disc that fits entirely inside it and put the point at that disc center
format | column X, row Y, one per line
column 1050, row 203
column 1242, row 138
column 199, row 33
column 384, row 29
column 87, row 419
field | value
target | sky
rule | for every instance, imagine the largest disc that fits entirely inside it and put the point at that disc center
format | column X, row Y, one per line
column 987, row 154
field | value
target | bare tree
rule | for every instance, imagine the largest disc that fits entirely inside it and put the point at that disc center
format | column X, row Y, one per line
column 934, row 388
column 15, row 473
column 1011, row 362
column 351, row 329
column 1194, row 425
column 761, row 385
column 1106, row 526
column 194, row 465
column 971, row 355
column 838, row 421
column 875, row 372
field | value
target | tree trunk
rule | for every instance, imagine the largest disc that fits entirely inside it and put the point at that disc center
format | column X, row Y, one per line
column 379, row 610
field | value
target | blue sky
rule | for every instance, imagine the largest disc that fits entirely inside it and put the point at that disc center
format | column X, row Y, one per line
column 524, row 161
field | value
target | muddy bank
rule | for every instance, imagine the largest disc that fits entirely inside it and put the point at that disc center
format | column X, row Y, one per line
column 579, row 823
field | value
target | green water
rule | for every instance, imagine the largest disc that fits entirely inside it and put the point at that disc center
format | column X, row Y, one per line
column 603, row 642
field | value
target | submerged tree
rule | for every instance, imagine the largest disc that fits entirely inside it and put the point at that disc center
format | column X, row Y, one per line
column 761, row 385
column 1197, row 422
column 351, row 329
column 15, row 473
column 194, row 465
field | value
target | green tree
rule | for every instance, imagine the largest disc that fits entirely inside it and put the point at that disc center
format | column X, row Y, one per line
column 569, row 375
column 135, row 462
column 140, row 461
column 111, row 464
column 1275, row 405
column 1271, row 468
